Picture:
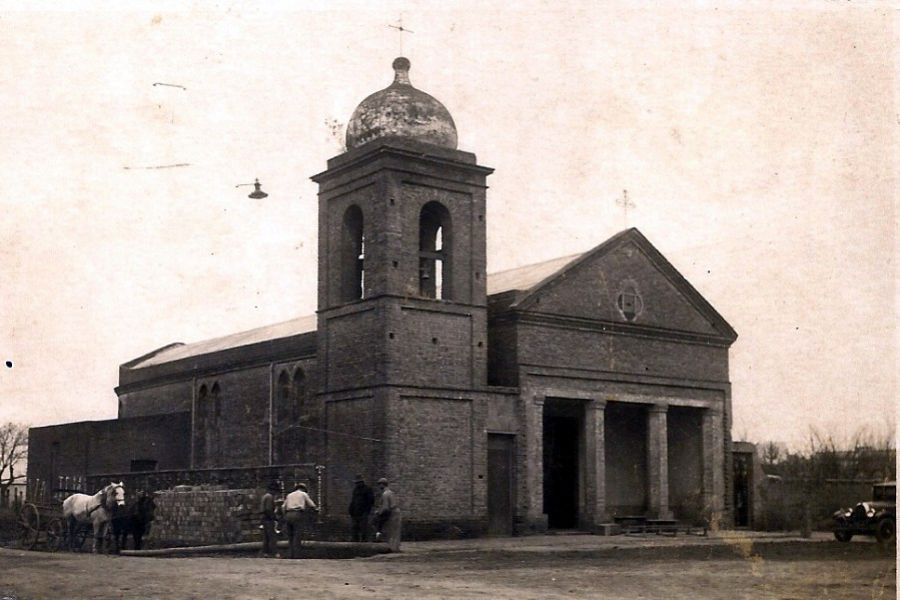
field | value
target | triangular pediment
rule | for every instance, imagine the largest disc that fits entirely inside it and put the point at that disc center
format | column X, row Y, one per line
column 626, row 281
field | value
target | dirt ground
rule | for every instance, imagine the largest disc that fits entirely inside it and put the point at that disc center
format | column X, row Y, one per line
column 562, row 568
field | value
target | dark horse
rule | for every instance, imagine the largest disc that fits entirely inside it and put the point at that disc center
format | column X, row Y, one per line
column 133, row 519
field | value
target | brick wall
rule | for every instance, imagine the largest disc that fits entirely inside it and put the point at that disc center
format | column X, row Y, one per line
column 355, row 445
column 196, row 517
column 163, row 398
column 90, row 447
column 391, row 184
column 432, row 348
column 553, row 346
column 55, row 452
column 591, row 289
column 239, row 436
column 353, row 346
column 430, row 455
column 503, row 365
column 233, row 478
column 685, row 444
column 462, row 246
column 625, row 434
column 443, row 343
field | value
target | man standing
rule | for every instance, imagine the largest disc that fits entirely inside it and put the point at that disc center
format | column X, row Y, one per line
column 298, row 507
column 267, row 510
column 388, row 516
column 360, row 508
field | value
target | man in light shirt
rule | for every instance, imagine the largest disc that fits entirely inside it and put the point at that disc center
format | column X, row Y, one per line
column 297, row 509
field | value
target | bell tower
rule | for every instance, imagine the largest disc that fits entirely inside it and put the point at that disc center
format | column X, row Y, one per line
column 402, row 319
column 402, row 296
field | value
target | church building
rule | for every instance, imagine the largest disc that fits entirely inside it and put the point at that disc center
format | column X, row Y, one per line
column 556, row 395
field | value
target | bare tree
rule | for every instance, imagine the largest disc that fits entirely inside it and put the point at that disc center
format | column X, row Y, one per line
column 13, row 450
column 771, row 455
column 825, row 463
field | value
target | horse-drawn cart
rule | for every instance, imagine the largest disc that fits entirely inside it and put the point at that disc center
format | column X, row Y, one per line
column 44, row 524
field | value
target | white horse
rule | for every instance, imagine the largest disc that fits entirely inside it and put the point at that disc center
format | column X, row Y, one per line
column 81, row 509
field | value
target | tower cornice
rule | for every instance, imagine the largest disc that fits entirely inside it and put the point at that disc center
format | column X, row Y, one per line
column 410, row 152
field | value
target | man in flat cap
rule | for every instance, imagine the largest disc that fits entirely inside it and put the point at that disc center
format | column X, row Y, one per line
column 387, row 516
column 298, row 510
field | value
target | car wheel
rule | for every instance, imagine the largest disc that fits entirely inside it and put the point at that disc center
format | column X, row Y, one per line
column 843, row 536
column 886, row 532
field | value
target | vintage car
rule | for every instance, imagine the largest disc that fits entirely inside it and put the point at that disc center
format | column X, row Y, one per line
column 876, row 517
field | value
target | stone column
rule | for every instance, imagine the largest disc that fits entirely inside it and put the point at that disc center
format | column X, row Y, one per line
column 713, row 466
column 595, row 463
column 534, row 462
column 658, row 462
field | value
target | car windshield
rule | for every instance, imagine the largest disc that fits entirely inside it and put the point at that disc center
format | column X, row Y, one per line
column 884, row 492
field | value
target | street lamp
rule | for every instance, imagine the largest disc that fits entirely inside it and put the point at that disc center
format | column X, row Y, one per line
column 257, row 193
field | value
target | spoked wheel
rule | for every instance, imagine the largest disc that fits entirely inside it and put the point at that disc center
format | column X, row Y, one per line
column 56, row 532
column 886, row 533
column 843, row 536
column 29, row 526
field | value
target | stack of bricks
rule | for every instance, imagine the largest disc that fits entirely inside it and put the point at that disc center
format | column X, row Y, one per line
column 201, row 515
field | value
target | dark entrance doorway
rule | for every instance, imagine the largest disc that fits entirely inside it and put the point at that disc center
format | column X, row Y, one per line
column 562, row 440
column 501, row 475
column 742, row 484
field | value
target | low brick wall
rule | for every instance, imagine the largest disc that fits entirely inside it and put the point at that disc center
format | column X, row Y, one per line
column 231, row 478
column 197, row 516
column 204, row 515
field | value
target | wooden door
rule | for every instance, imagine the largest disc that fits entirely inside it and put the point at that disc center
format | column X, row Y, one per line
column 501, row 483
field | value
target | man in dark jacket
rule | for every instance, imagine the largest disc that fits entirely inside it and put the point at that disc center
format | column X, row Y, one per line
column 360, row 509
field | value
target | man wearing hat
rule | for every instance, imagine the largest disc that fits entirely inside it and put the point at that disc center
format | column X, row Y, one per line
column 298, row 508
column 360, row 507
column 388, row 516
column 267, row 510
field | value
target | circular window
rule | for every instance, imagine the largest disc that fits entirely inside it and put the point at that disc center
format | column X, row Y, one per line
column 629, row 303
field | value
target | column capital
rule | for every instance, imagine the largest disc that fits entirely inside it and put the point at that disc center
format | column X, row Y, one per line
column 538, row 400
column 713, row 411
column 658, row 408
column 597, row 404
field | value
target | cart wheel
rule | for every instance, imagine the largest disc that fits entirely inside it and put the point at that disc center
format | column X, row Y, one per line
column 56, row 532
column 29, row 526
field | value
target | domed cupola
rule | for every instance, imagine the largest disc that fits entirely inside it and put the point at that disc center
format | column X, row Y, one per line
column 402, row 111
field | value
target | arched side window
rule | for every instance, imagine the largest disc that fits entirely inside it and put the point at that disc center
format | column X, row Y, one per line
column 200, row 423
column 301, row 414
column 202, row 397
column 283, row 401
column 353, row 249
column 215, row 395
column 281, row 429
column 300, row 406
column 215, row 430
column 435, row 252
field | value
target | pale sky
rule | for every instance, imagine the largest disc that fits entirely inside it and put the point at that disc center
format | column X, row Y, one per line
column 758, row 144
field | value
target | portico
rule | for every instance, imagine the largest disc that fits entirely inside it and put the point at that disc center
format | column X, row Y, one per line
column 603, row 456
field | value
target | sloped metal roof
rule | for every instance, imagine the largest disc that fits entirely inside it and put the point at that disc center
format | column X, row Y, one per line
column 305, row 324
column 521, row 278
column 525, row 278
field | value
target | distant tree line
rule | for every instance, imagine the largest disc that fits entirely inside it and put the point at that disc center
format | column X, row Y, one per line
column 867, row 455
column 816, row 479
